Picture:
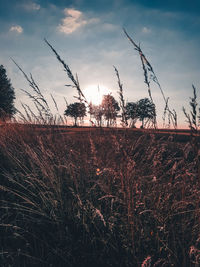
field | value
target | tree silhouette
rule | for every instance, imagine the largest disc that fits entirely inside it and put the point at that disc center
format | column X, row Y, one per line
column 131, row 113
column 97, row 112
column 76, row 110
column 7, row 96
column 146, row 110
column 110, row 109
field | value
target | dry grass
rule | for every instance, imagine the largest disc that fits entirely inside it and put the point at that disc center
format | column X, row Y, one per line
column 149, row 75
column 104, row 198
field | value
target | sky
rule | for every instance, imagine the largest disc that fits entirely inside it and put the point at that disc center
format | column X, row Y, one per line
column 89, row 36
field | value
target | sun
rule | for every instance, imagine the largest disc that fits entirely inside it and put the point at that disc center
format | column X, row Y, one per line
column 94, row 93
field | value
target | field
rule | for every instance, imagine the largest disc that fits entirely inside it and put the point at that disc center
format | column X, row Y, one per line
column 98, row 197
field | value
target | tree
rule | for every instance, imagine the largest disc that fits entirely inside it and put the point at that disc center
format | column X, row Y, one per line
column 131, row 113
column 76, row 110
column 96, row 111
column 146, row 110
column 110, row 109
column 7, row 96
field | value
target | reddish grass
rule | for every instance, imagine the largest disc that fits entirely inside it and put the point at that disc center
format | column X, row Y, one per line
column 104, row 197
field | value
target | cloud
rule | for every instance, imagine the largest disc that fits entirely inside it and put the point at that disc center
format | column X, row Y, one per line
column 146, row 30
column 18, row 29
column 74, row 19
column 110, row 27
column 31, row 6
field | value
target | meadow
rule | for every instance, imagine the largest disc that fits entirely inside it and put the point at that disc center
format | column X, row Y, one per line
column 99, row 196
column 103, row 197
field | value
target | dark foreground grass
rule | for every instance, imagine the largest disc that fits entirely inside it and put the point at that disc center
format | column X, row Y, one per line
column 103, row 198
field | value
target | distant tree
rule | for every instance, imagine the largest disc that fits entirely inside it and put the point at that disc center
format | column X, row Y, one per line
column 131, row 113
column 110, row 109
column 146, row 111
column 96, row 111
column 76, row 110
column 7, row 96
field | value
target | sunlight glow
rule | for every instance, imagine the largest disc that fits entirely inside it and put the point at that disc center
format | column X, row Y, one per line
column 95, row 93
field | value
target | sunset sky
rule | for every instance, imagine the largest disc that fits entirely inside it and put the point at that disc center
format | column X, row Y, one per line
column 88, row 35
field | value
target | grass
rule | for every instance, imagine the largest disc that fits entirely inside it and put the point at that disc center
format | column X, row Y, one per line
column 104, row 198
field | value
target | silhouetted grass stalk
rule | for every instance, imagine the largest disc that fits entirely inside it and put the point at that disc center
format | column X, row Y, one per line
column 148, row 69
column 81, row 97
column 122, row 101
column 192, row 118
column 45, row 116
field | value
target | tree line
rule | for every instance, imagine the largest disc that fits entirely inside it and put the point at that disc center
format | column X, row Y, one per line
column 107, row 112
column 104, row 114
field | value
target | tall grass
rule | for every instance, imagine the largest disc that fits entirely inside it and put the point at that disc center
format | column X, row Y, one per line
column 124, row 120
column 42, row 114
column 74, row 79
column 103, row 197
column 193, row 118
column 149, row 75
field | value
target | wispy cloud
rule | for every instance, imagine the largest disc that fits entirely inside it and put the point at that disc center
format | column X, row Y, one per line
column 31, row 6
column 17, row 28
column 146, row 30
column 74, row 20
